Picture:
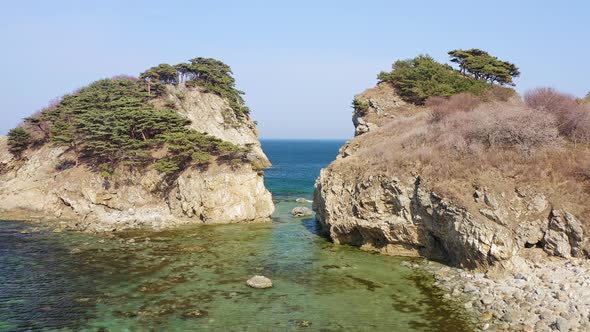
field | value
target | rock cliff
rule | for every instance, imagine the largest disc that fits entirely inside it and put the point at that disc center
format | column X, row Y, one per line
column 39, row 187
column 481, row 222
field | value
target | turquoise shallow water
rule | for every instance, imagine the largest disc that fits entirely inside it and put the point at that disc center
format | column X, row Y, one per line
column 194, row 278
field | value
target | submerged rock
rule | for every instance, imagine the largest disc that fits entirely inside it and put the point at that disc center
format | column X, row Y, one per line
column 196, row 313
column 304, row 323
column 75, row 251
column 259, row 282
column 301, row 211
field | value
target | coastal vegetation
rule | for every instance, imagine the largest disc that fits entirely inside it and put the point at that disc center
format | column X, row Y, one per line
column 18, row 140
column 483, row 66
column 465, row 127
column 211, row 75
column 422, row 77
column 115, row 122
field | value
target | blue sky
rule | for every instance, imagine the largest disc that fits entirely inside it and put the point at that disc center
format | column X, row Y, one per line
column 299, row 62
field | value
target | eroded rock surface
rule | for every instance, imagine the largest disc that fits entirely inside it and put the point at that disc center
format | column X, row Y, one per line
column 405, row 218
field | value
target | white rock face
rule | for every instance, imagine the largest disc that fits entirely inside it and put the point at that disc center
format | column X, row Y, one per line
column 211, row 114
column 399, row 218
column 33, row 189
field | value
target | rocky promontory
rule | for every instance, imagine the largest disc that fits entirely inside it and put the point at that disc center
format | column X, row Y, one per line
column 403, row 207
column 489, row 184
column 204, row 166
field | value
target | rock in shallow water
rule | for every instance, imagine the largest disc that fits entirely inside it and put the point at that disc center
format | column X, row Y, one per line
column 259, row 282
column 196, row 313
column 301, row 211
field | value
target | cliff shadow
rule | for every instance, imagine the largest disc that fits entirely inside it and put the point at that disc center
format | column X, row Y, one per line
column 313, row 226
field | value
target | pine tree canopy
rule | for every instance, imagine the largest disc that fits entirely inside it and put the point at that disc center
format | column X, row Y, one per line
column 114, row 121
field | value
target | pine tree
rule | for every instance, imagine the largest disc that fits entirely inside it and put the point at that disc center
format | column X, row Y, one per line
column 18, row 140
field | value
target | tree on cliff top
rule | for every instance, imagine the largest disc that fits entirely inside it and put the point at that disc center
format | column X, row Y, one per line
column 210, row 74
column 481, row 65
column 164, row 73
column 460, row 57
column 113, row 122
column 421, row 77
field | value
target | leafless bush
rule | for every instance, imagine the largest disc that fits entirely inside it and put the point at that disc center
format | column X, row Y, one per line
column 552, row 101
column 578, row 124
column 549, row 100
column 573, row 116
column 495, row 125
column 442, row 107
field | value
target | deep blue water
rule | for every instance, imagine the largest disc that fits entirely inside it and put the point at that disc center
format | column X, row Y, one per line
column 296, row 164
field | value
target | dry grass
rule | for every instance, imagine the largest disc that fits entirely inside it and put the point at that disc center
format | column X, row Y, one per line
column 443, row 107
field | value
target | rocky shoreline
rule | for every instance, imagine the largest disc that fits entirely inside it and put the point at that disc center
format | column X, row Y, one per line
column 541, row 293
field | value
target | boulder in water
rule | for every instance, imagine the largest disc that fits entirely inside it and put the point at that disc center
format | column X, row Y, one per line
column 259, row 282
column 301, row 211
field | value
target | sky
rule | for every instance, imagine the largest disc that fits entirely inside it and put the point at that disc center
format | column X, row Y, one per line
column 299, row 62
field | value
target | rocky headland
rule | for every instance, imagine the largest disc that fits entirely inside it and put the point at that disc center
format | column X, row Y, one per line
column 56, row 182
column 508, row 221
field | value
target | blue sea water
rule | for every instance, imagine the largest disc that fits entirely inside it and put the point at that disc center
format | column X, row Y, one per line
column 296, row 164
column 193, row 278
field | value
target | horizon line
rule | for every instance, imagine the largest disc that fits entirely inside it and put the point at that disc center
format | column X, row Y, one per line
column 305, row 138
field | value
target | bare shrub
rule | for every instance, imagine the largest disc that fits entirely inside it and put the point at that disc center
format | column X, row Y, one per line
column 549, row 100
column 505, row 125
column 578, row 124
column 573, row 116
column 552, row 101
column 443, row 107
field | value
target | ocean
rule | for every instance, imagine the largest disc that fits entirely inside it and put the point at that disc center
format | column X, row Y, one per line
column 193, row 278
